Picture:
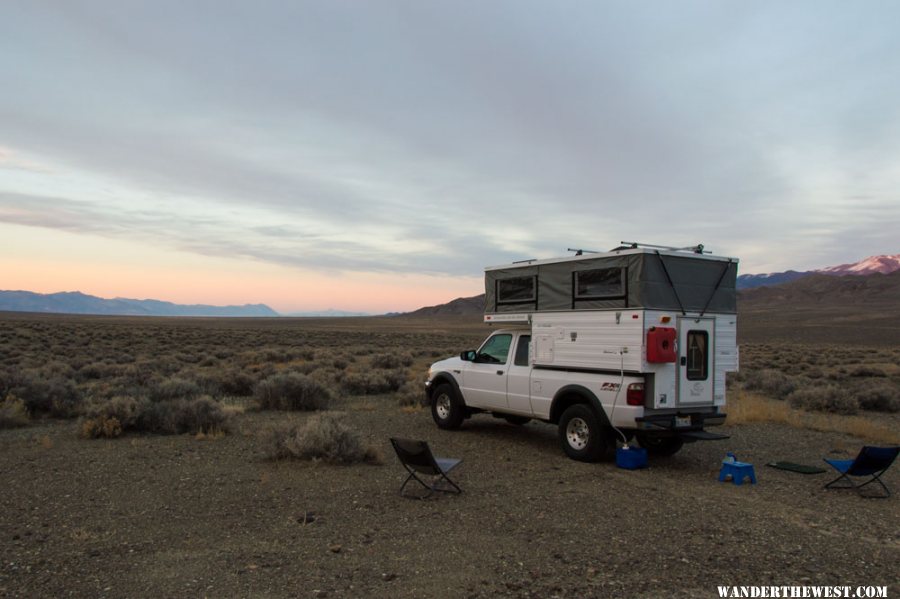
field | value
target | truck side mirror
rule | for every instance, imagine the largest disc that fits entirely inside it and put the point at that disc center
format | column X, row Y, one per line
column 468, row 355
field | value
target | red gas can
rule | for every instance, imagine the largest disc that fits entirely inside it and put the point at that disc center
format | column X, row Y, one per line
column 661, row 345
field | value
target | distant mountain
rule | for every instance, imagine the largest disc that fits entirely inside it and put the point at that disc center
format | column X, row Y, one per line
column 766, row 280
column 819, row 308
column 880, row 264
column 461, row 306
column 874, row 264
column 819, row 289
column 74, row 302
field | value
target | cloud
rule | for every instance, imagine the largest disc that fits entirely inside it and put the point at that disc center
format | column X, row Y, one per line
column 409, row 137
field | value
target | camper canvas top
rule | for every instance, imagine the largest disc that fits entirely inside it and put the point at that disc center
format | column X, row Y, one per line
column 632, row 277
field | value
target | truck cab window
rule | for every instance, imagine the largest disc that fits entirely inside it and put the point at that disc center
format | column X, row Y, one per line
column 495, row 350
column 521, row 358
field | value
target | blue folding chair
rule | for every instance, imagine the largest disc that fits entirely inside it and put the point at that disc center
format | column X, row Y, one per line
column 417, row 458
column 871, row 462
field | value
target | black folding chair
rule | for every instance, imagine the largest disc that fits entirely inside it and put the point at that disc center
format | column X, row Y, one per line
column 417, row 458
column 871, row 462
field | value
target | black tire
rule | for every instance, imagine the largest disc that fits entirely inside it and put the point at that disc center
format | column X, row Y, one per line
column 447, row 408
column 660, row 446
column 516, row 420
column 582, row 436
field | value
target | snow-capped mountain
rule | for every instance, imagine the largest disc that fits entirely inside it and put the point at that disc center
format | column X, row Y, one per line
column 872, row 264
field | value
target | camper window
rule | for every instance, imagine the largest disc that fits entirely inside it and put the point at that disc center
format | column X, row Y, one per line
column 600, row 283
column 697, row 355
column 518, row 290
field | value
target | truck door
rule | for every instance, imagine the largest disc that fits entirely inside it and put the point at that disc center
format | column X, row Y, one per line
column 484, row 380
column 518, row 380
column 695, row 361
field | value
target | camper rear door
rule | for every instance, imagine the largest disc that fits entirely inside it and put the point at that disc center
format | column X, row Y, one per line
column 696, row 361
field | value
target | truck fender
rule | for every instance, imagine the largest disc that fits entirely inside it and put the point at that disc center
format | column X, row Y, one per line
column 575, row 394
column 445, row 377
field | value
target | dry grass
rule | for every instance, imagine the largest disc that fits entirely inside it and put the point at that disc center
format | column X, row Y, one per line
column 745, row 407
column 13, row 412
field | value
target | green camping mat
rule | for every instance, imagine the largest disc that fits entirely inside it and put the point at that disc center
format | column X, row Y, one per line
column 796, row 467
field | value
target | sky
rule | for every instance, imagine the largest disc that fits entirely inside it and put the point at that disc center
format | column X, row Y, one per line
column 376, row 156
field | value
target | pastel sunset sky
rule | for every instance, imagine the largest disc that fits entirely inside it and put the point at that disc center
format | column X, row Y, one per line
column 376, row 156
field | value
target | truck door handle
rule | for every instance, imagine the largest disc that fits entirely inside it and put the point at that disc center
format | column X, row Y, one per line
column 683, row 360
column 499, row 372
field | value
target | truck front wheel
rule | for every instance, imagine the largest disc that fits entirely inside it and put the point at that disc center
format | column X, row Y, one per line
column 447, row 408
column 582, row 436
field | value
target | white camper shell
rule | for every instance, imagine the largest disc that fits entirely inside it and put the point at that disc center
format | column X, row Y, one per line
column 632, row 342
column 670, row 315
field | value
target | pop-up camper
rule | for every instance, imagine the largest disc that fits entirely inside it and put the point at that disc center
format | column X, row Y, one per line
column 637, row 340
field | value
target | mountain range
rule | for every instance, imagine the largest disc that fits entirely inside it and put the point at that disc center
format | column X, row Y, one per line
column 790, row 285
column 74, row 302
column 873, row 264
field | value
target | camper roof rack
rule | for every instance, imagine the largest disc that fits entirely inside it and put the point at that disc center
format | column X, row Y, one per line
column 697, row 249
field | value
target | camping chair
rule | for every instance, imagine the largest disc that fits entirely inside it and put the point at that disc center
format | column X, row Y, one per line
column 416, row 457
column 871, row 461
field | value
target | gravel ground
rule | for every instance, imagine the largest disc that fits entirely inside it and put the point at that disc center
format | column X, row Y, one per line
column 146, row 516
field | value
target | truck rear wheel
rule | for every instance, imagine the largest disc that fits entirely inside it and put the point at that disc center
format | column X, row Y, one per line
column 581, row 434
column 447, row 408
column 660, row 446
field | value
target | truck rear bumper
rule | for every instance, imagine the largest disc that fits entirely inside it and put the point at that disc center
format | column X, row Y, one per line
column 687, row 426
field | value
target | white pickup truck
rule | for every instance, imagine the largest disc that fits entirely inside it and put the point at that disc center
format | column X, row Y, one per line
column 646, row 362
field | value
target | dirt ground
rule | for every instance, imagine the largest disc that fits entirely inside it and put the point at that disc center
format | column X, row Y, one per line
column 154, row 516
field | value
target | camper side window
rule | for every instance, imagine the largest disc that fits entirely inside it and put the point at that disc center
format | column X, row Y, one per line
column 517, row 290
column 600, row 283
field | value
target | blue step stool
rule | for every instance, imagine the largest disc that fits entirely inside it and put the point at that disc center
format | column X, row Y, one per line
column 738, row 471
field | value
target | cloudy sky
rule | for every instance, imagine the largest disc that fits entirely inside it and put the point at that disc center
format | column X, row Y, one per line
column 377, row 155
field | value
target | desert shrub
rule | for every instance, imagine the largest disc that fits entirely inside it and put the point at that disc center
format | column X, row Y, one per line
column 373, row 382
column 824, row 398
column 304, row 367
column 101, row 426
column 881, row 396
column 140, row 375
column 327, row 376
column 391, row 360
column 55, row 396
column 13, row 412
column 412, row 393
column 168, row 417
column 839, row 374
column 125, row 409
column 98, row 370
column 323, row 437
column 173, row 388
column 773, row 383
column 291, row 391
column 305, row 354
column 868, row 371
column 176, row 416
column 124, row 358
column 235, row 381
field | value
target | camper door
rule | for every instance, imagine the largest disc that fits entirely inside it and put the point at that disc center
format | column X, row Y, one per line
column 695, row 361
